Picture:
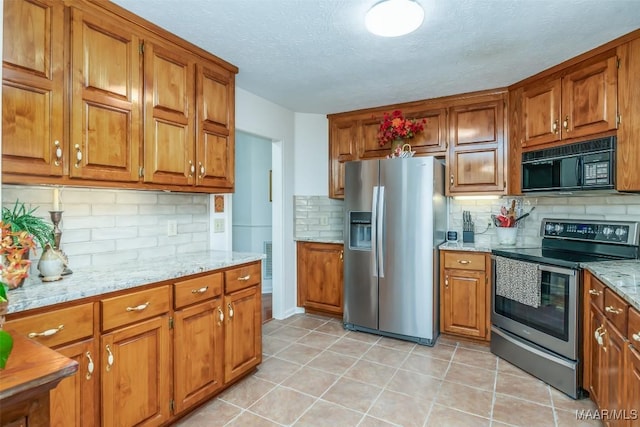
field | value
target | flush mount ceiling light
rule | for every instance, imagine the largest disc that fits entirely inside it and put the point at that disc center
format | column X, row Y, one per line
column 393, row 18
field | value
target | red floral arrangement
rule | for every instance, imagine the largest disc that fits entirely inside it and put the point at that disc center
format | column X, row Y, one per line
column 395, row 126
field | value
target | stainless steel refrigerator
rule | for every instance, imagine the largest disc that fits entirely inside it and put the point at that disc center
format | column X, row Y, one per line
column 395, row 218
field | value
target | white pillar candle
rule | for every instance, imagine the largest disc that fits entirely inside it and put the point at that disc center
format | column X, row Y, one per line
column 56, row 199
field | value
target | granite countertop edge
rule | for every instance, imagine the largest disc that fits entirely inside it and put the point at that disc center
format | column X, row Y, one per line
column 622, row 276
column 87, row 282
column 320, row 240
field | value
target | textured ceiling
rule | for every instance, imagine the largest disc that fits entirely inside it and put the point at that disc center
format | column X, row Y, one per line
column 315, row 56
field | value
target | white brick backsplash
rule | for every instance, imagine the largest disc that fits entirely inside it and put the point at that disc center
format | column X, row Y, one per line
column 107, row 226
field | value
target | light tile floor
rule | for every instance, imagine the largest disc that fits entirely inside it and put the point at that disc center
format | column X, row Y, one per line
column 314, row 373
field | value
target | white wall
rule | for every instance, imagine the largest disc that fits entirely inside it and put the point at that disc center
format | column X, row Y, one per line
column 311, row 157
column 258, row 116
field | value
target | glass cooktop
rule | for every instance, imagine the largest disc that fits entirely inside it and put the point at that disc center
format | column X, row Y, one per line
column 550, row 256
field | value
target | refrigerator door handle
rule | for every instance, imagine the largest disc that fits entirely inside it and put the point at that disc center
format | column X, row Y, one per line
column 374, row 232
column 379, row 234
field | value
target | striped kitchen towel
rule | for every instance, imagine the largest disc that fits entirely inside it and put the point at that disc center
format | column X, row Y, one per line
column 518, row 281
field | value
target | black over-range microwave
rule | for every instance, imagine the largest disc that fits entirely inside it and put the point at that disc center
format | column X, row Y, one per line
column 588, row 165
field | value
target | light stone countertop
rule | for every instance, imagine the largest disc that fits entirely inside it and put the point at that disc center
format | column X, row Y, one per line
column 92, row 281
column 469, row 247
column 623, row 277
column 319, row 240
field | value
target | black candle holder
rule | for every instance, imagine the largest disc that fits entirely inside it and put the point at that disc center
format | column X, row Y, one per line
column 56, row 217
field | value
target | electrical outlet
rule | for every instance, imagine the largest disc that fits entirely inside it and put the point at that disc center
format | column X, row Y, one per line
column 218, row 225
column 172, row 227
column 324, row 220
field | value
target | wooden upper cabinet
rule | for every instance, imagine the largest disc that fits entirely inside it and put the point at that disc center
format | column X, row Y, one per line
column 370, row 147
column 32, row 88
column 169, row 75
column 581, row 102
column 215, row 143
column 343, row 135
column 541, row 110
column 476, row 150
column 628, row 146
column 106, row 99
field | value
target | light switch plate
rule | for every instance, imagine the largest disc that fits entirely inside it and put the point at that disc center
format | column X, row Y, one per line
column 172, row 227
column 218, row 225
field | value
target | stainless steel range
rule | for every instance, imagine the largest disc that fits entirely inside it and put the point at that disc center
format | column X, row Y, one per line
column 536, row 296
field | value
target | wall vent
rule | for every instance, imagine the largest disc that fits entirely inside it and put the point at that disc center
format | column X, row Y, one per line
column 267, row 264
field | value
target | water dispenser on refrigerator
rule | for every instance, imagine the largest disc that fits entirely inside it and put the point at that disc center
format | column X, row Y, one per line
column 360, row 230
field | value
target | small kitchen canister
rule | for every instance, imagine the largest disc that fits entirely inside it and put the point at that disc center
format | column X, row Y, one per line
column 507, row 235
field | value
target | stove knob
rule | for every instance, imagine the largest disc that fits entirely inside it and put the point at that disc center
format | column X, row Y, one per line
column 621, row 232
column 558, row 228
column 549, row 228
column 607, row 231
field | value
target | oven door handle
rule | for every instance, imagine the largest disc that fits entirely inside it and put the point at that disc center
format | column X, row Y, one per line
column 542, row 267
column 558, row 270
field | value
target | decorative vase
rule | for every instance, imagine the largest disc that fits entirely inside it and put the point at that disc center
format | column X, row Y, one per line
column 51, row 265
column 396, row 147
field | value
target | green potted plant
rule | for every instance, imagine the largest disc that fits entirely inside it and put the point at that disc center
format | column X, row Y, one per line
column 22, row 219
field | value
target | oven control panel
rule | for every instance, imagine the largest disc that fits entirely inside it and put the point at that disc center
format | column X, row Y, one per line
column 620, row 232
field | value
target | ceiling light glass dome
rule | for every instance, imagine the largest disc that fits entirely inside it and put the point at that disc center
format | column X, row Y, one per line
column 393, row 18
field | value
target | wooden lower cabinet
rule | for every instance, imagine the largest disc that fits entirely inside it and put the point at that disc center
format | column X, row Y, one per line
column 612, row 363
column 243, row 337
column 320, row 277
column 136, row 370
column 152, row 355
column 464, row 294
column 198, row 353
column 74, row 401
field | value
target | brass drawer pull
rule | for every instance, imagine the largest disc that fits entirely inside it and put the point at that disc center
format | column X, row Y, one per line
column 90, row 365
column 200, row 291
column 110, row 359
column 636, row 336
column 220, row 315
column 230, row 310
column 595, row 292
column 464, row 261
column 46, row 333
column 245, row 278
column 140, row 307
column 611, row 309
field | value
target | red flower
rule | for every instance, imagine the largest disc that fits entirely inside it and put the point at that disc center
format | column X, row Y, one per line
column 395, row 126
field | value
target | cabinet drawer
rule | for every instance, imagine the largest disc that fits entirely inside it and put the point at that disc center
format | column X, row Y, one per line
column 464, row 261
column 633, row 331
column 133, row 307
column 199, row 289
column 242, row 277
column 596, row 293
column 57, row 327
column 615, row 308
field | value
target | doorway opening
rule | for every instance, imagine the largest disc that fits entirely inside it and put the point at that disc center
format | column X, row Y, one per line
column 252, row 206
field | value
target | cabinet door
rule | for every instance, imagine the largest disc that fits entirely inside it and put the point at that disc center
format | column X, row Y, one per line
column 371, row 148
column 614, row 372
column 541, row 113
column 589, row 99
column 320, row 277
column 106, row 99
column 135, row 371
column 197, row 353
column 632, row 376
column 32, row 88
column 627, row 147
column 476, row 151
column 74, row 401
column 169, row 115
column 433, row 138
column 597, row 357
column 342, row 148
column 464, row 303
column 243, row 332
column 215, row 143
